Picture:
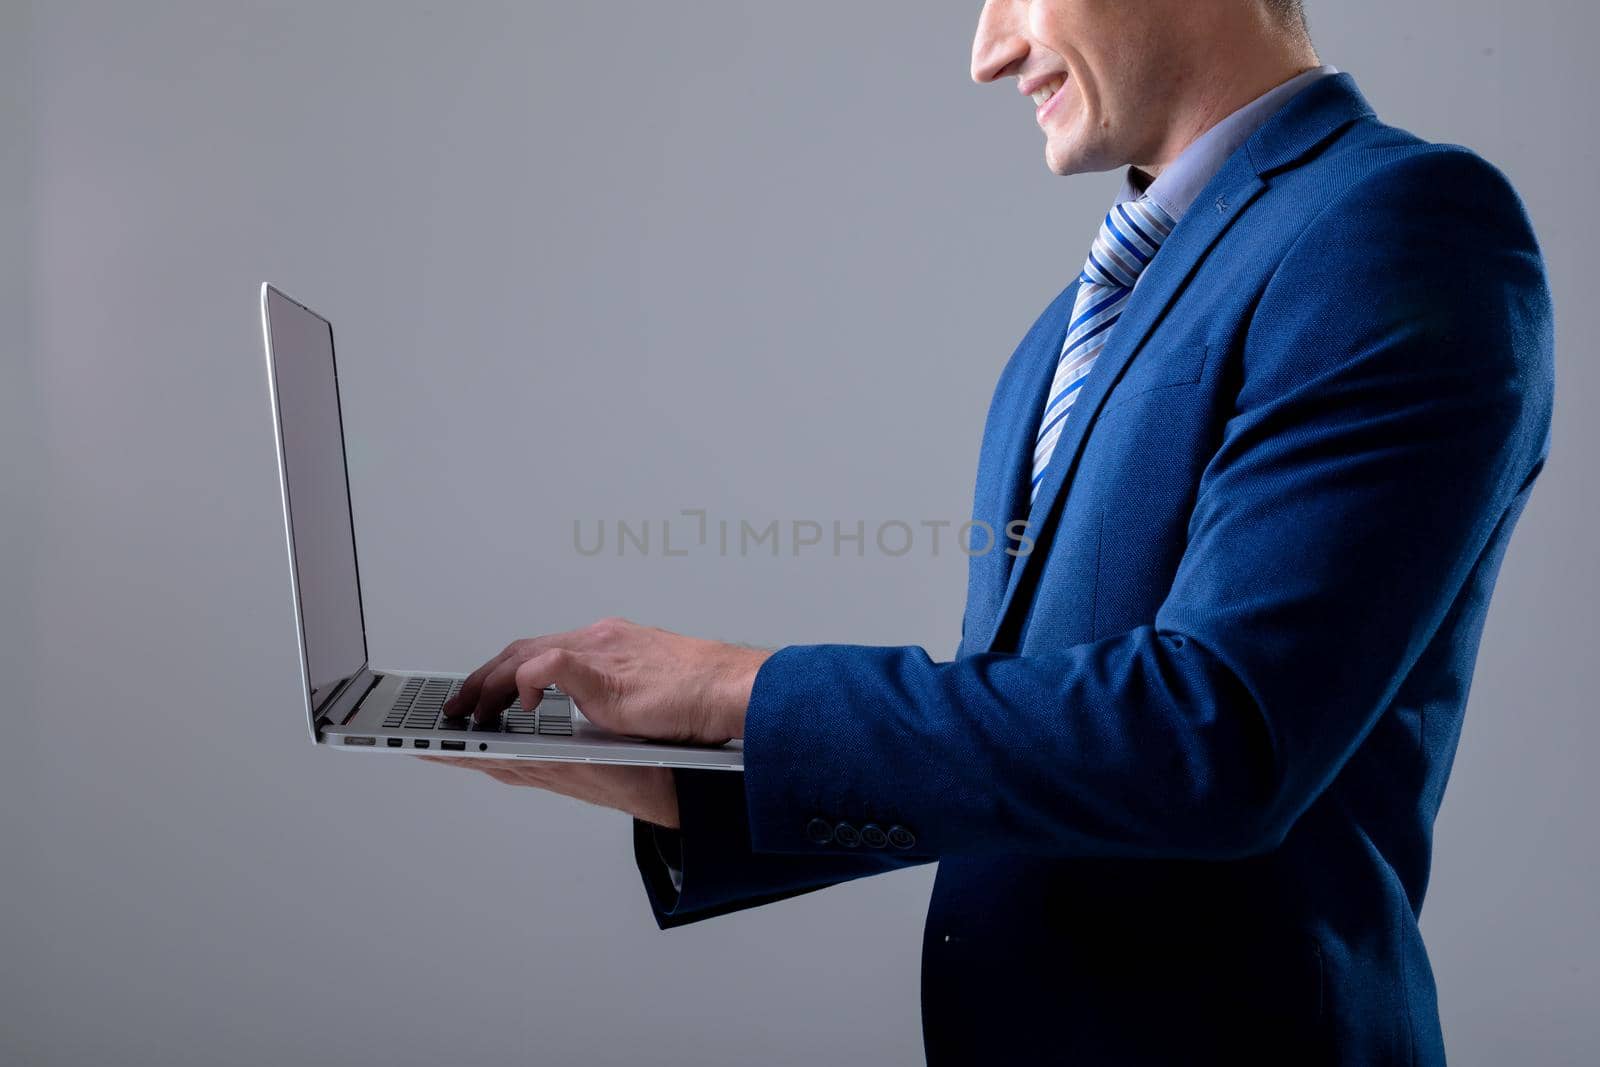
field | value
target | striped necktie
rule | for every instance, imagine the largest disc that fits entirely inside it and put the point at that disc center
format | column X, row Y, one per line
column 1128, row 240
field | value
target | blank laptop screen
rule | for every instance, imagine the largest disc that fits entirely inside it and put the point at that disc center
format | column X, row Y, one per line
column 319, row 494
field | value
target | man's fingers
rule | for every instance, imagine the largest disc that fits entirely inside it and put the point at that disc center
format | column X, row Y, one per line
column 455, row 761
column 466, row 699
column 505, row 777
column 495, row 694
column 498, row 686
column 472, row 695
column 503, row 771
column 573, row 672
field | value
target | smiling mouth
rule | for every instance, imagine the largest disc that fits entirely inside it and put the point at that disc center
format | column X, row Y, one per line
column 1043, row 94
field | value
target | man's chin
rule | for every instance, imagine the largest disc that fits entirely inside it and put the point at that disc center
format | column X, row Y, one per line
column 1065, row 160
column 1063, row 163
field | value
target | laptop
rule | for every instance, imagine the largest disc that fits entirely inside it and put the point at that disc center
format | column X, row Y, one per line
column 349, row 704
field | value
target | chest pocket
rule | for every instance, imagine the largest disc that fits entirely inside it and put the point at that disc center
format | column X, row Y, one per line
column 1153, row 370
column 1140, row 473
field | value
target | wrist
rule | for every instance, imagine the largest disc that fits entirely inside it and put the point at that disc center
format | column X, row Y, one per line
column 735, row 685
column 657, row 802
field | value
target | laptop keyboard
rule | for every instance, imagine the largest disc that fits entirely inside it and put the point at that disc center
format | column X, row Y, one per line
column 421, row 702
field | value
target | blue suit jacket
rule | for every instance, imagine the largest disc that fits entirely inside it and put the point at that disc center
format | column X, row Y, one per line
column 1182, row 776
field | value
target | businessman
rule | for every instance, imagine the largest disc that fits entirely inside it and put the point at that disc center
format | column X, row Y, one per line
column 1270, row 442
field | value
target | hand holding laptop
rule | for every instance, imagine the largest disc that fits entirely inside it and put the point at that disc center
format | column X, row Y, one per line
column 647, row 793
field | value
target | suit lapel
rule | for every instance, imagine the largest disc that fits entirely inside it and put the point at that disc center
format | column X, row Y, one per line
column 1305, row 122
column 1040, row 371
column 1003, row 480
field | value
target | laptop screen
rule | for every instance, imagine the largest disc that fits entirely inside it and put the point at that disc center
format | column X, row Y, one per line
column 318, row 490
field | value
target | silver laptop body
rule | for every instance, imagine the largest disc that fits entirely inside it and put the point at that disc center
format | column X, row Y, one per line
column 349, row 704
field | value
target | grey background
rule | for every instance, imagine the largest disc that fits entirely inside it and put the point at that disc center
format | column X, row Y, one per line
column 600, row 260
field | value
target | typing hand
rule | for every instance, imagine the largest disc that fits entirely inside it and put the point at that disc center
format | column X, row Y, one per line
column 634, row 680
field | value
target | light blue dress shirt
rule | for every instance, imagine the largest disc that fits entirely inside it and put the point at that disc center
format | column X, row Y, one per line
column 1177, row 186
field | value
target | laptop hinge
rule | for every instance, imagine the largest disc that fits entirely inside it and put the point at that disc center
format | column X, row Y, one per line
column 347, row 701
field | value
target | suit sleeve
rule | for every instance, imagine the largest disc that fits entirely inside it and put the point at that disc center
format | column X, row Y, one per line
column 718, row 869
column 1393, row 405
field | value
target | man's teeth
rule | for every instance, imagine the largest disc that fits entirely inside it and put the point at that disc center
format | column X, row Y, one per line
column 1045, row 92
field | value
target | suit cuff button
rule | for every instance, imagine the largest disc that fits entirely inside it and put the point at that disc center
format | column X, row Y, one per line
column 819, row 831
column 847, row 835
column 872, row 836
column 901, row 838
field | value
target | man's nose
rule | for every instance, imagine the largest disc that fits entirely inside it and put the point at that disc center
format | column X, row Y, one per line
column 997, row 47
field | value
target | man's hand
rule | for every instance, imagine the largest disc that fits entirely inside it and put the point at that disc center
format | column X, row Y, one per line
column 645, row 793
column 629, row 679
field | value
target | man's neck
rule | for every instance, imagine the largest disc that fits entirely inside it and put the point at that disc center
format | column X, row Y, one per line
column 1218, row 96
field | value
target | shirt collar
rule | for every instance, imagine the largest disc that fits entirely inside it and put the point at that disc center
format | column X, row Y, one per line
column 1177, row 186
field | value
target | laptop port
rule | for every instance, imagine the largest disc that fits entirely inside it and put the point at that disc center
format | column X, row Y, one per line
column 360, row 740
column 453, row 746
column 396, row 742
column 482, row 747
column 419, row 743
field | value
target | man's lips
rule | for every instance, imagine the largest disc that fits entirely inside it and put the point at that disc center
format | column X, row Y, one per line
column 1045, row 90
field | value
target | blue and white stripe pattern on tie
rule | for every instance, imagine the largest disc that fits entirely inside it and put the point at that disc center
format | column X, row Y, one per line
column 1128, row 240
